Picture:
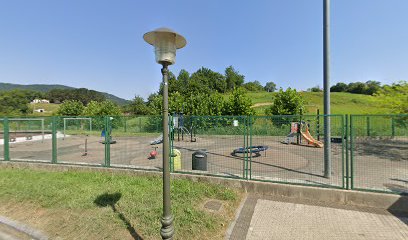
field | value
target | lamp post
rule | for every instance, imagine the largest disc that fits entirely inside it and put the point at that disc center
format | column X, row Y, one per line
column 165, row 42
column 326, row 87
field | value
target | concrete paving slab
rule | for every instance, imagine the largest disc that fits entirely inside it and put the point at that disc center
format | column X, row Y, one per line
column 286, row 220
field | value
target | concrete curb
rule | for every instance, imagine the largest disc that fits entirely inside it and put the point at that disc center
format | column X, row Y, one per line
column 35, row 234
column 236, row 216
column 391, row 202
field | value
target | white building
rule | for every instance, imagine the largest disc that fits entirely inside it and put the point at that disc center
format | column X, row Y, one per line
column 40, row 101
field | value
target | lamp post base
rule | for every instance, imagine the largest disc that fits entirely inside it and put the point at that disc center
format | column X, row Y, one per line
column 167, row 230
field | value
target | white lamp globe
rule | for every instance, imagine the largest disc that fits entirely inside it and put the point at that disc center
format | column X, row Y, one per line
column 165, row 42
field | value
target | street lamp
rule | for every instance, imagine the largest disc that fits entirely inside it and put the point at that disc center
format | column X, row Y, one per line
column 165, row 42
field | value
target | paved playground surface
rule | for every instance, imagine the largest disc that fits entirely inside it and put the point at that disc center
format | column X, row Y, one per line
column 377, row 165
column 267, row 217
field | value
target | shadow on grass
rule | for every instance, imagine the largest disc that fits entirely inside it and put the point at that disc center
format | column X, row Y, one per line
column 110, row 199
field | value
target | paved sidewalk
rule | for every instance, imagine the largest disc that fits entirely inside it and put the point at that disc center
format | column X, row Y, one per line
column 270, row 217
column 13, row 230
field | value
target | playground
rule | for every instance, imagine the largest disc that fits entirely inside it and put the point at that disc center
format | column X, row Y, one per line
column 376, row 165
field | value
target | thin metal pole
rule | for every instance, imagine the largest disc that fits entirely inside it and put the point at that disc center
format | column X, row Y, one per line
column 6, row 138
column 167, row 229
column 42, row 128
column 107, row 141
column 54, row 140
column 326, row 87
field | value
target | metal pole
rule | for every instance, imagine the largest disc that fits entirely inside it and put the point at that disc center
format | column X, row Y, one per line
column 167, row 229
column 392, row 127
column 326, row 86
column 54, row 140
column 318, row 125
column 107, row 142
column 6, row 138
column 42, row 128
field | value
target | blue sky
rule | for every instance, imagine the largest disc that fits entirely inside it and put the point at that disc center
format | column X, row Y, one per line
column 98, row 44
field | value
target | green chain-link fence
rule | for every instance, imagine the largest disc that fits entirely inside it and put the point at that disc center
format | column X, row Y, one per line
column 205, row 145
column 379, row 152
column 368, row 152
column 294, row 150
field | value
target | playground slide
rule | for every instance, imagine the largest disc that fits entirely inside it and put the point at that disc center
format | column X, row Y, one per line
column 158, row 140
column 306, row 135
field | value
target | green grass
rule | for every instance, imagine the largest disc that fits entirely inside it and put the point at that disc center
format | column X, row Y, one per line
column 76, row 204
column 341, row 103
column 50, row 108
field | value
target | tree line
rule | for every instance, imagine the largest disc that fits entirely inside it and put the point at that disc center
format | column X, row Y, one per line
column 204, row 92
column 367, row 88
column 16, row 102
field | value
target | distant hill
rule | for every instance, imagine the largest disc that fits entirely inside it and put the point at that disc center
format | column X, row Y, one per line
column 48, row 87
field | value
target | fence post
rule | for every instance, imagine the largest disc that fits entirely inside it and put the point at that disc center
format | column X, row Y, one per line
column 368, row 126
column 107, row 141
column 318, row 125
column 54, row 140
column 245, row 149
column 351, row 154
column 6, row 138
column 392, row 127
column 346, row 139
column 251, row 121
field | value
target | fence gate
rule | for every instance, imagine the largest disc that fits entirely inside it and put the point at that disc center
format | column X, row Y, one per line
column 379, row 152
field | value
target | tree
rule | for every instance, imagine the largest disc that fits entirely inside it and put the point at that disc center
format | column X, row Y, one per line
column 155, row 103
column 238, row 104
column 288, row 102
column 105, row 108
column 71, row 108
column 357, row 87
column 183, row 77
column 254, row 86
column 233, row 78
column 315, row 89
column 372, row 87
column 394, row 97
column 137, row 107
column 15, row 102
column 270, row 87
column 339, row 87
column 205, row 80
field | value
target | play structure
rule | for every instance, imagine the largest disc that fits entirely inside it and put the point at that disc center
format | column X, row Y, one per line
column 251, row 150
column 153, row 154
column 300, row 135
column 103, row 137
column 158, row 140
column 180, row 129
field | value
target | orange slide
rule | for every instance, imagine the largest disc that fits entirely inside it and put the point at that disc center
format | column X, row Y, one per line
column 306, row 135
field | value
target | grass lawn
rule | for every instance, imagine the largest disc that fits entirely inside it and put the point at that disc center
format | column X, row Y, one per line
column 341, row 103
column 94, row 205
column 49, row 108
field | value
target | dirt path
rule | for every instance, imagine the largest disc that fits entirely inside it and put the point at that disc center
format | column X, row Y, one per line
column 261, row 104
